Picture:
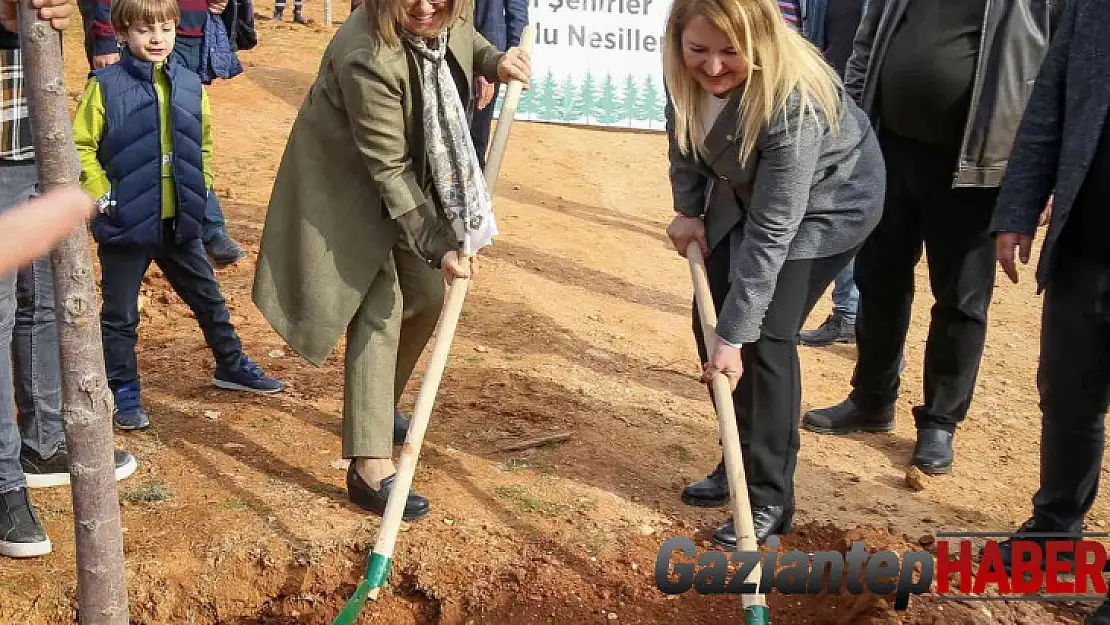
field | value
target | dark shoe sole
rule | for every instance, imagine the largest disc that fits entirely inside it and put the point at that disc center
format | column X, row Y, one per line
column 701, row 502
column 50, row 480
column 837, row 341
column 232, row 386
column 878, row 428
column 131, row 428
column 370, row 507
column 934, row 470
column 782, row 531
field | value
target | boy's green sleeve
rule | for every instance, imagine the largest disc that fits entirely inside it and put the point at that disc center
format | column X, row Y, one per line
column 207, row 146
column 88, row 130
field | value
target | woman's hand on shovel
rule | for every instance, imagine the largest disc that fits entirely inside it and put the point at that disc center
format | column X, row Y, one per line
column 726, row 360
column 455, row 267
column 683, row 230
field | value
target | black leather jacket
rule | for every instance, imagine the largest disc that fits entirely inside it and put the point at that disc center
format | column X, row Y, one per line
column 1014, row 40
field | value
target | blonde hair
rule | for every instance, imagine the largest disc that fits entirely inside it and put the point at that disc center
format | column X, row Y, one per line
column 780, row 62
column 386, row 17
column 127, row 13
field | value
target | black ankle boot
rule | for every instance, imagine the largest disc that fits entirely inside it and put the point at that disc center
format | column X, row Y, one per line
column 712, row 492
column 933, row 451
column 768, row 520
column 846, row 417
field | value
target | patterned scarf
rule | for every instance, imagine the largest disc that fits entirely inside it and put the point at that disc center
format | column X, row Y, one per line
column 455, row 172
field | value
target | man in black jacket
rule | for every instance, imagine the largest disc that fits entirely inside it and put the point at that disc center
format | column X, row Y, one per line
column 945, row 83
column 1063, row 147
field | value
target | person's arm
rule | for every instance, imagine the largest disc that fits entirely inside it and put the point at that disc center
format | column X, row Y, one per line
column 88, row 130
column 688, row 185
column 101, row 30
column 207, row 144
column 516, row 18
column 486, row 57
column 1031, row 171
column 788, row 157
column 855, row 74
column 31, row 230
column 373, row 100
column 1030, row 177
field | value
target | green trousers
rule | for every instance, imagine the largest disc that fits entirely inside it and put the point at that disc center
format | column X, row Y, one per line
column 384, row 340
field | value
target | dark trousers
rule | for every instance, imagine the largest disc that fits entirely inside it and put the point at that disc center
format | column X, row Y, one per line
column 188, row 271
column 1074, row 382
column 768, row 398
column 480, row 126
column 922, row 207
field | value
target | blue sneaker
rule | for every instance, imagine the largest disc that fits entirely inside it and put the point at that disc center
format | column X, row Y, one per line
column 247, row 377
column 128, row 413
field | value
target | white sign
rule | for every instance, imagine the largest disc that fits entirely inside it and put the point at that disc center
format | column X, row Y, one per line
column 597, row 62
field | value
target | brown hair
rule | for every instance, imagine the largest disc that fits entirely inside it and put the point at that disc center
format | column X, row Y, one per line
column 128, row 13
column 386, row 16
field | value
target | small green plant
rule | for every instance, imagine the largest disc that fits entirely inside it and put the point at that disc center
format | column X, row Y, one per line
column 150, row 491
column 234, row 504
column 526, row 502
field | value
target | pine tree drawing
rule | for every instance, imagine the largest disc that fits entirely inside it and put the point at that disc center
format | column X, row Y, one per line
column 527, row 103
column 607, row 105
column 630, row 100
column 547, row 106
column 651, row 103
column 569, row 92
column 586, row 105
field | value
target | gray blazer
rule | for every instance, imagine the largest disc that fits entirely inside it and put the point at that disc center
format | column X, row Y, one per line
column 1060, row 131
column 804, row 194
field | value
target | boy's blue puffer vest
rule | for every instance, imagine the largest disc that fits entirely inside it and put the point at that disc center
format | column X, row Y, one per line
column 131, row 153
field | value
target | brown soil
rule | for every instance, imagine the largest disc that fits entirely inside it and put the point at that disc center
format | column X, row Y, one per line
column 579, row 322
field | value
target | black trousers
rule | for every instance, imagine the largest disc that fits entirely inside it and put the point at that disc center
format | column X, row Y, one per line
column 1074, row 382
column 953, row 224
column 768, row 397
column 188, row 271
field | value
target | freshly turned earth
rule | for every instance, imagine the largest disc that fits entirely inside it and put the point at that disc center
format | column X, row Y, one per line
column 579, row 322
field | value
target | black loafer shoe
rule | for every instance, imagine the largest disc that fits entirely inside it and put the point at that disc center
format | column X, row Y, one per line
column 712, row 492
column 768, row 520
column 400, row 427
column 366, row 497
column 1006, row 547
column 933, row 451
column 846, row 417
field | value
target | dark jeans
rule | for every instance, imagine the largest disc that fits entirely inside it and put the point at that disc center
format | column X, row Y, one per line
column 768, row 398
column 480, row 126
column 188, row 271
column 922, row 207
column 1074, row 381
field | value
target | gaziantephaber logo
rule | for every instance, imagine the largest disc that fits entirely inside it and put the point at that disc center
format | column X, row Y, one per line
column 1038, row 563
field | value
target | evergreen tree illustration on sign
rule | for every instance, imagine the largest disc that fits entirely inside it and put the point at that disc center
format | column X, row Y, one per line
column 549, row 98
column 586, row 104
column 569, row 94
column 651, row 103
column 527, row 103
column 608, row 107
column 630, row 102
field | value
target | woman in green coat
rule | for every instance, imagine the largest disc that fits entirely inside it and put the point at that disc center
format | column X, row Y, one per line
column 379, row 190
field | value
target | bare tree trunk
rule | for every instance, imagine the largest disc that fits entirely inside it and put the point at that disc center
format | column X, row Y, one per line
column 86, row 400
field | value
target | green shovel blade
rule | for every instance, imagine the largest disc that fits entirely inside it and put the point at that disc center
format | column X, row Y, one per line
column 377, row 571
column 757, row 615
column 349, row 615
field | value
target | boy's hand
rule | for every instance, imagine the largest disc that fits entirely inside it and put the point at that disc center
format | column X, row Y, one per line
column 56, row 12
column 104, row 60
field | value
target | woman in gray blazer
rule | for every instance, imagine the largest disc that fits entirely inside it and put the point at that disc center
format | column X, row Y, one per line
column 778, row 176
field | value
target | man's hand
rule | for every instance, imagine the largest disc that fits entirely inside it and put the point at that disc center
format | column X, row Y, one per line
column 683, row 230
column 1004, row 244
column 104, row 60
column 1046, row 214
column 486, row 91
column 56, row 12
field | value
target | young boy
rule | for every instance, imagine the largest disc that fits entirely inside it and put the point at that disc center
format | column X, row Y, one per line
column 145, row 140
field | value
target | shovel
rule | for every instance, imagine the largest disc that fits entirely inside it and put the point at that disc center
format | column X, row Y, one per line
column 755, row 605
